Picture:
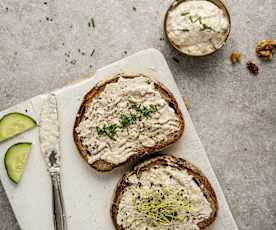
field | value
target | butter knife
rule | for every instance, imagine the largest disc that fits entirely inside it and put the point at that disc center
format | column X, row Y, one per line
column 50, row 148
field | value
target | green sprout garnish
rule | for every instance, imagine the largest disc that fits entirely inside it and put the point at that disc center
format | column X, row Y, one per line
column 161, row 206
column 185, row 13
column 136, row 113
column 185, row 30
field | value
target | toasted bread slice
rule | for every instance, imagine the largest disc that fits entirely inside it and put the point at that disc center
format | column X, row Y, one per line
column 108, row 135
column 134, row 200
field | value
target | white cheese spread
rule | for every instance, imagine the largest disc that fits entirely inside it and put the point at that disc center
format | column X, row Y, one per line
column 49, row 133
column 162, row 198
column 197, row 27
column 126, row 116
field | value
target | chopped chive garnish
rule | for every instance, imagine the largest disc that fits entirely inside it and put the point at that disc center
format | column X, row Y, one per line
column 136, row 113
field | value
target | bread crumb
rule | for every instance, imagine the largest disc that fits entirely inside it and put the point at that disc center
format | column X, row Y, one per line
column 235, row 57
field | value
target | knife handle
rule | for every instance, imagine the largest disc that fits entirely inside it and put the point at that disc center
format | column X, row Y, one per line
column 58, row 203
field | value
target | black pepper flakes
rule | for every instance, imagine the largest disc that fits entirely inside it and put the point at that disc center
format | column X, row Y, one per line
column 45, row 3
column 73, row 62
column 176, row 59
column 252, row 67
column 91, row 23
column 134, row 8
column 92, row 53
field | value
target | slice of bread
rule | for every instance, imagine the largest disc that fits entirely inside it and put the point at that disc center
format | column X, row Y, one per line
column 141, row 88
column 146, row 178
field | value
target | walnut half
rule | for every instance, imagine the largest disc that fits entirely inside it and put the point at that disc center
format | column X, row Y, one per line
column 265, row 48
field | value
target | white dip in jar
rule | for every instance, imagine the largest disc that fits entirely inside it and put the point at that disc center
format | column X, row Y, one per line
column 197, row 27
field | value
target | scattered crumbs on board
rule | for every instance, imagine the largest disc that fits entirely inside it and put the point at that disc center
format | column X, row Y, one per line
column 134, row 8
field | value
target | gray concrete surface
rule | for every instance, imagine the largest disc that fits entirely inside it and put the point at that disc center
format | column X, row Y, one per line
column 41, row 45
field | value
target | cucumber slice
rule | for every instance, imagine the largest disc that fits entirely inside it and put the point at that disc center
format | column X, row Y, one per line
column 15, row 160
column 13, row 124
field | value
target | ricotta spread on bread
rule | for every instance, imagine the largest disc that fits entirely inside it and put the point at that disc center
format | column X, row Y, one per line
column 126, row 116
column 197, row 27
column 162, row 198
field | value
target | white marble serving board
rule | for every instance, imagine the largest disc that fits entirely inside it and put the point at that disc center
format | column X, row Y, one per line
column 88, row 194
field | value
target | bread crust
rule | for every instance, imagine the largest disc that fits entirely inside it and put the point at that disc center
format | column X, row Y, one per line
column 175, row 162
column 104, row 166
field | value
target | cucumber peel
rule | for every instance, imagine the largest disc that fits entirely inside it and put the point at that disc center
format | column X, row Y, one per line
column 15, row 160
column 15, row 123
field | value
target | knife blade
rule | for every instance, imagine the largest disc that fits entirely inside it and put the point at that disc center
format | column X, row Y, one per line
column 50, row 147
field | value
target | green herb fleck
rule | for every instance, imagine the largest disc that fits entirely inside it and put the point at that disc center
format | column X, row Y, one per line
column 206, row 27
column 91, row 23
column 197, row 19
column 185, row 13
column 185, row 30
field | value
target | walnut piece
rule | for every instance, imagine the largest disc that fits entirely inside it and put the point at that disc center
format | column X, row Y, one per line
column 265, row 48
column 235, row 57
column 252, row 67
